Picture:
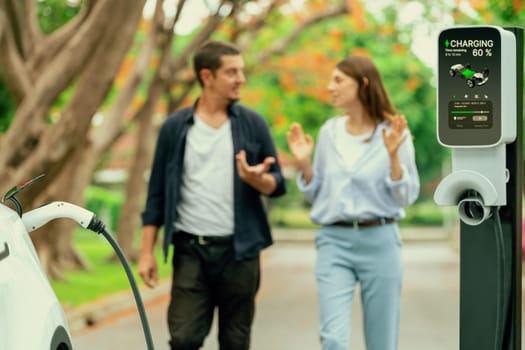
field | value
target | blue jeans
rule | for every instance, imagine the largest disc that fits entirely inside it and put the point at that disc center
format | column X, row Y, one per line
column 371, row 256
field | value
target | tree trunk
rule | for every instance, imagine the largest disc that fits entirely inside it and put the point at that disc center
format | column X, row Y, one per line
column 55, row 149
column 113, row 125
column 135, row 187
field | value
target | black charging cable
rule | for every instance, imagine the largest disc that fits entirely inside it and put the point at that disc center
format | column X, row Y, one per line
column 500, row 266
column 98, row 226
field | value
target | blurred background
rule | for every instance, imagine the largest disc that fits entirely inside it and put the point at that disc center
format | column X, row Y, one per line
column 85, row 85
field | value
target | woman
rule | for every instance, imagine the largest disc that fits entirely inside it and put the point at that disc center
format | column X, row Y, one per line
column 362, row 177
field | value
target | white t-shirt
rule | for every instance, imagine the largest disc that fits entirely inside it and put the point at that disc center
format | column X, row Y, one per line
column 351, row 147
column 206, row 205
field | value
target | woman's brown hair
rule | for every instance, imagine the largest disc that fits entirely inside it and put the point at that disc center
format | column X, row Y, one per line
column 372, row 92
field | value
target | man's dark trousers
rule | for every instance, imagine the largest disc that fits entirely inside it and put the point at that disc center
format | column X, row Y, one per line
column 205, row 276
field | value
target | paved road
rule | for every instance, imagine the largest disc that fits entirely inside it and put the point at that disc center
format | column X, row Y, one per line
column 286, row 316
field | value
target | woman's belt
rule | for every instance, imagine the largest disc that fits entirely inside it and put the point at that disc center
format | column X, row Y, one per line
column 368, row 223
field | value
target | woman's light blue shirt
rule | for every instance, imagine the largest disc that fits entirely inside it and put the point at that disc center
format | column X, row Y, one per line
column 364, row 190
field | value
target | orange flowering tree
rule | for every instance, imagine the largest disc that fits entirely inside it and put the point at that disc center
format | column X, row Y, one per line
column 293, row 87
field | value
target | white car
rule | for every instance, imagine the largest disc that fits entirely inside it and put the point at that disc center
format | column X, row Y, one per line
column 31, row 317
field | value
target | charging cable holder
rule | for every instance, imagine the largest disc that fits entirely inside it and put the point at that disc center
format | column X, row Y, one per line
column 478, row 181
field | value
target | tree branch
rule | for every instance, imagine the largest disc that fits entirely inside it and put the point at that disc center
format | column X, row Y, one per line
column 15, row 73
column 94, row 82
column 175, row 101
column 15, row 16
column 170, row 74
column 281, row 46
column 104, row 135
column 255, row 25
column 74, row 58
column 33, row 32
column 48, row 48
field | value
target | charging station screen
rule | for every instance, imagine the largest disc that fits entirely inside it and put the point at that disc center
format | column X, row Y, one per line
column 469, row 86
column 470, row 114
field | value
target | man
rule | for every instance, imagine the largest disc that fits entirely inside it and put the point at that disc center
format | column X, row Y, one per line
column 212, row 162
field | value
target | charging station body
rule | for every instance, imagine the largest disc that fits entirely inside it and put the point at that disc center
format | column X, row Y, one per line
column 476, row 87
column 479, row 116
column 476, row 112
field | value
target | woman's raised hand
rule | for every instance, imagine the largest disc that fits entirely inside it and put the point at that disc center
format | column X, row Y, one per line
column 300, row 144
column 396, row 136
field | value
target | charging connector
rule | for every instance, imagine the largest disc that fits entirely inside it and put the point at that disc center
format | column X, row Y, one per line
column 40, row 216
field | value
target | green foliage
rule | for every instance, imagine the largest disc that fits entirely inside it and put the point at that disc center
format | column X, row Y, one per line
column 52, row 14
column 291, row 218
column 105, row 204
column 423, row 213
column 507, row 12
column 7, row 107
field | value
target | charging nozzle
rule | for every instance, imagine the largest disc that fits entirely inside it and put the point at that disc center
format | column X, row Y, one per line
column 58, row 210
column 55, row 210
column 472, row 193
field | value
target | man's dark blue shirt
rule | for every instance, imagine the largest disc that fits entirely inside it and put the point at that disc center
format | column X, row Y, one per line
column 250, row 133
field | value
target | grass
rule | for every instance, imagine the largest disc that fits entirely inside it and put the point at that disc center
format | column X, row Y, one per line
column 104, row 277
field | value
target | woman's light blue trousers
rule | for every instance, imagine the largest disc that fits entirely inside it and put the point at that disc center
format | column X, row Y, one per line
column 372, row 257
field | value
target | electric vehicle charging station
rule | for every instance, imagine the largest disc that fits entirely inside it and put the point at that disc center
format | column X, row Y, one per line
column 479, row 116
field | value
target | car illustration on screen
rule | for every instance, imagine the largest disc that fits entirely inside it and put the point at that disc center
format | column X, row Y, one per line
column 471, row 77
